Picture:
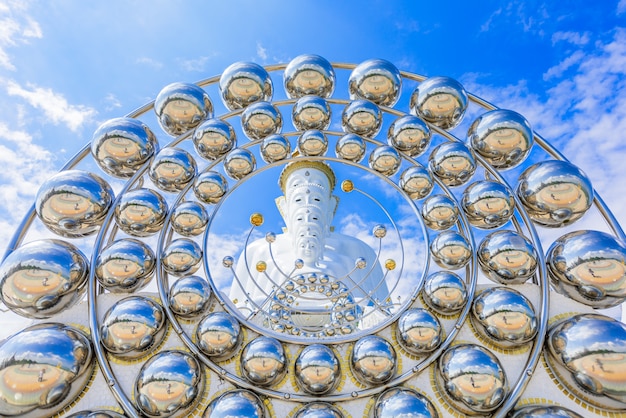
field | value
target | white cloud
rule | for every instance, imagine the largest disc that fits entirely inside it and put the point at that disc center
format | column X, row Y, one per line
column 261, row 52
column 157, row 65
column 571, row 37
column 621, row 7
column 112, row 102
column 54, row 106
column 16, row 28
column 564, row 65
column 196, row 65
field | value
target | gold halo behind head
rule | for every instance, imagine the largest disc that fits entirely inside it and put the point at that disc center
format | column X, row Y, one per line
column 316, row 165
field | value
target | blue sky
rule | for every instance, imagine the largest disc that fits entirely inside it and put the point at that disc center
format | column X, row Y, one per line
column 67, row 66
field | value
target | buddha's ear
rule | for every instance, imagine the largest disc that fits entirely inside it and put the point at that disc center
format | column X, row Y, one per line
column 281, row 204
column 332, row 208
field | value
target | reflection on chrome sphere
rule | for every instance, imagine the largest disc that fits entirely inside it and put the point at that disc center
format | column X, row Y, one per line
column 45, row 366
column 172, row 169
column 444, row 292
column 405, row 403
column 385, row 160
column 213, row 138
column 41, row 278
column 309, row 74
column 590, row 267
column 244, row 83
column 373, row 360
column 555, row 193
column 440, row 212
column 507, row 257
column 238, row 403
column 312, row 143
column 451, row 250
column 132, row 326
column 260, row 120
column 318, row 410
column 101, row 413
column 189, row 296
column 311, row 112
column 181, row 257
column 218, row 335
column 416, row 182
column 125, row 266
column 419, row 331
column 317, row 369
column 210, row 186
column 73, row 203
column 263, row 361
column 376, row 80
column 180, row 107
column 409, row 134
column 141, row 212
column 239, row 163
column 189, row 218
column 441, row 101
column 362, row 117
column 472, row 378
column 543, row 411
column 589, row 351
column 502, row 137
column 169, row 383
column 453, row 163
column 350, row 147
column 121, row 146
column 488, row 204
column 275, row 148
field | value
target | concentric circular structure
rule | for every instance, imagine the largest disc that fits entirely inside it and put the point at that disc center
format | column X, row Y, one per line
column 386, row 248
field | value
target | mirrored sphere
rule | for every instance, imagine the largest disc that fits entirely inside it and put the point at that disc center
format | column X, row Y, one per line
column 311, row 112
column 180, row 107
column 263, row 361
column 244, row 83
column 453, row 163
column 73, row 203
column 121, row 146
column 376, row 80
column 451, row 250
column 502, row 137
column 309, row 74
column 405, row 403
column 317, row 369
column 210, row 186
column 169, row 384
column 362, row 117
column 189, row 296
column 213, row 138
column 589, row 267
column 172, row 169
column 42, row 278
column 419, row 331
column 441, row 101
column 239, row 163
column 125, row 265
column 132, row 326
column 472, row 378
column 312, row 143
column 275, row 148
column 140, row 212
column 373, row 360
column 385, row 160
column 409, row 134
column 416, row 182
column 218, row 335
column 543, row 411
column 181, row 257
column 260, row 120
column 238, row 403
column 189, row 218
column 488, row 204
column 507, row 257
column 589, row 353
column 101, row 413
column 555, row 193
column 505, row 316
column 445, row 292
column 45, row 366
column 440, row 212
column 318, row 410
column 350, row 147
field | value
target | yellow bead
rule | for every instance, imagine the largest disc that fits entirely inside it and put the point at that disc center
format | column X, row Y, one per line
column 261, row 266
column 347, row 186
column 256, row 219
column 390, row 264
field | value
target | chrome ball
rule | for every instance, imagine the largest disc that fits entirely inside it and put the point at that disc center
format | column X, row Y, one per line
column 405, row 403
column 172, row 169
column 213, row 138
column 73, row 203
column 121, row 146
column 260, row 120
column 141, row 212
column 263, row 361
column 488, row 204
column 238, row 403
column 555, row 193
column 275, row 148
column 350, row 147
column 318, row 410
column 42, row 278
column 507, row 257
column 385, row 160
column 312, row 143
column 189, row 218
column 181, row 257
column 311, row 112
column 125, row 266
column 218, row 335
column 589, row 267
column 180, row 107
column 376, row 80
column 445, row 292
column 210, row 186
column 132, row 327
column 451, row 250
column 239, row 163
column 453, row 163
column 543, row 411
column 419, row 332
column 101, row 413
column 189, row 296
column 373, row 360
column 416, row 182
column 440, row 212
column 410, row 135
column 362, row 117
column 244, row 83
column 317, row 369
column 309, row 74
column 441, row 101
